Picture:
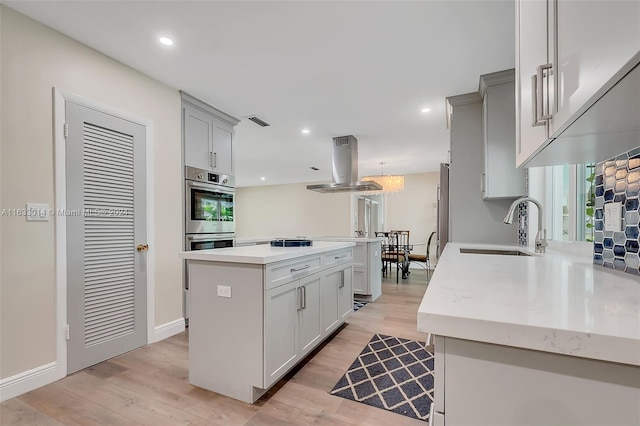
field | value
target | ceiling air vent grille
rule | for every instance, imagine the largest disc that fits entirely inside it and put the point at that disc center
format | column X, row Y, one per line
column 258, row 121
column 341, row 141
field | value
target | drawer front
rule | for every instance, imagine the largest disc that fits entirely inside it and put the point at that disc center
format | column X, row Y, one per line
column 288, row 270
column 337, row 257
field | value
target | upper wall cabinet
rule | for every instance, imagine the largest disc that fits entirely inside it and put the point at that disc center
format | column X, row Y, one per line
column 569, row 54
column 500, row 177
column 207, row 136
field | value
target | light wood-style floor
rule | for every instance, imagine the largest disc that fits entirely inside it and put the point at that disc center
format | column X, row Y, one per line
column 150, row 385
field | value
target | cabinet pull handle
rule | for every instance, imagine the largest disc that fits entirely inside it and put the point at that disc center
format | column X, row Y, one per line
column 534, row 102
column 210, row 159
column 300, row 268
column 304, row 297
column 483, row 178
column 215, row 160
column 541, row 98
column 342, row 257
column 299, row 298
column 341, row 279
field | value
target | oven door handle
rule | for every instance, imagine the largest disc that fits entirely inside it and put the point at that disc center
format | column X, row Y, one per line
column 210, row 187
column 210, row 238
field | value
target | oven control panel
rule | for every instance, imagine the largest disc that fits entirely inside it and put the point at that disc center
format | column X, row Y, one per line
column 192, row 173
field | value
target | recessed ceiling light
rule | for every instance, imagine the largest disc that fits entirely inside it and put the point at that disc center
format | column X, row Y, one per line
column 306, row 131
column 426, row 109
column 263, row 178
column 166, row 41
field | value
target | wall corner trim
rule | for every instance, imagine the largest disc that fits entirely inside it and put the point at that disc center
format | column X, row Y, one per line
column 169, row 329
column 31, row 379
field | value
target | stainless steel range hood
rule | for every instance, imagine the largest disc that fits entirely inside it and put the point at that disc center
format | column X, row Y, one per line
column 345, row 169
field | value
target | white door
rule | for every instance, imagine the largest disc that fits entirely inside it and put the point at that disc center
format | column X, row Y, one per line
column 106, row 236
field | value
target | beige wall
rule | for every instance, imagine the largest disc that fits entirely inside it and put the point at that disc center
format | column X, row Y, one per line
column 415, row 208
column 290, row 210
column 34, row 59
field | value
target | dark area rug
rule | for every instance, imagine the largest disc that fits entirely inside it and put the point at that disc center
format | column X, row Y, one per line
column 393, row 374
column 358, row 304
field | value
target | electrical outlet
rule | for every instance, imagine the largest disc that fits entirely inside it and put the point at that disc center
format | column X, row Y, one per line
column 224, row 291
column 613, row 217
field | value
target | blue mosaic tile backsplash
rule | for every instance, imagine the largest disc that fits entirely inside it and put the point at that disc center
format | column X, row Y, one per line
column 618, row 180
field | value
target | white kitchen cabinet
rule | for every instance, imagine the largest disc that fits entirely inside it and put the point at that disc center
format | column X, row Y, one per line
column 367, row 266
column 569, row 53
column 500, row 178
column 345, row 293
column 207, row 136
column 244, row 338
column 309, row 318
column 521, row 386
column 292, row 325
column 281, row 352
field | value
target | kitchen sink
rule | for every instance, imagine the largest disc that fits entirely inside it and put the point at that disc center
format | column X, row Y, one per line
column 493, row 251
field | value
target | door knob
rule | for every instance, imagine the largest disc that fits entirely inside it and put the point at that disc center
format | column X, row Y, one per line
column 142, row 247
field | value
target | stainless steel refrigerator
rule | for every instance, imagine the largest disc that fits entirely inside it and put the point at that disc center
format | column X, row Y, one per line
column 443, row 208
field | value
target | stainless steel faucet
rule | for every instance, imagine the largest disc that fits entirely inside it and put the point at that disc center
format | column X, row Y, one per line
column 541, row 235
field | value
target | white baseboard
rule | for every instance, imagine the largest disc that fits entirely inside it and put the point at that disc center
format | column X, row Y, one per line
column 29, row 380
column 167, row 330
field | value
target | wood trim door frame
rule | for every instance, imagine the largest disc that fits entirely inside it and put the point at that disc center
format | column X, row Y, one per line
column 59, row 98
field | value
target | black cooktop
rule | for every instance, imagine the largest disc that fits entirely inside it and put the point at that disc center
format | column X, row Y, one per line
column 301, row 242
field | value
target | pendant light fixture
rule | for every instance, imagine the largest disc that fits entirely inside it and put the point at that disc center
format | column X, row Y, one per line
column 390, row 183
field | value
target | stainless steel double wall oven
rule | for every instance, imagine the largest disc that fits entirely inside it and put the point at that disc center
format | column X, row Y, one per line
column 209, row 210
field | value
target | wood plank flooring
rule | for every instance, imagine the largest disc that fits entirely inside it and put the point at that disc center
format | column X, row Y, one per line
column 150, row 385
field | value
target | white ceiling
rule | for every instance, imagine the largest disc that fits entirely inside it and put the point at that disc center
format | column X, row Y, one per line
column 334, row 67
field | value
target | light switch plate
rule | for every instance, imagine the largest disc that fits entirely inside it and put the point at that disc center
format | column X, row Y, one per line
column 613, row 217
column 37, row 212
column 224, row 291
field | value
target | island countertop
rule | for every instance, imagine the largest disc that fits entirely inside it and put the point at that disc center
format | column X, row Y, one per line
column 553, row 302
column 262, row 254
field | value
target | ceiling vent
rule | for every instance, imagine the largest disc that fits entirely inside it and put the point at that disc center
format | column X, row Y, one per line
column 258, row 121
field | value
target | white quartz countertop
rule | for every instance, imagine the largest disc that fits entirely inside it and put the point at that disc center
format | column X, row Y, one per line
column 354, row 239
column 262, row 254
column 553, row 302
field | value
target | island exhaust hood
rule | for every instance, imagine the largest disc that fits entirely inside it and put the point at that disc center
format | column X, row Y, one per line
column 345, row 169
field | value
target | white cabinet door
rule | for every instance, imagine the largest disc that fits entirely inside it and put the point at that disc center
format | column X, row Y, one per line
column 310, row 329
column 531, row 51
column 594, row 39
column 360, row 280
column 198, row 137
column 501, row 178
column 345, row 292
column 281, row 306
column 329, row 299
column 222, row 148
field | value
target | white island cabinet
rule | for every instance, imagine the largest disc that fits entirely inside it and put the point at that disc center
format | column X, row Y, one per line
column 257, row 311
column 527, row 340
column 367, row 265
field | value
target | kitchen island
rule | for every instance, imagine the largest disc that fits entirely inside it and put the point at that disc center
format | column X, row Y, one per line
column 256, row 311
column 539, row 339
column 367, row 265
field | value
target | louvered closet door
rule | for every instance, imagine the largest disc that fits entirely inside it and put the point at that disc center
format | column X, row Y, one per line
column 106, row 221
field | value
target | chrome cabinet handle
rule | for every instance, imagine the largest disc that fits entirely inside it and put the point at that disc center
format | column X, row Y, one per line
column 304, row 297
column 299, row 298
column 341, row 257
column 341, row 279
column 541, row 99
column 210, row 159
column 534, row 102
column 300, row 268
column 215, row 160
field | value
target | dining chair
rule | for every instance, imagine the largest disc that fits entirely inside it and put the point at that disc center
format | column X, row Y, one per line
column 392, row 252
column 423, row 259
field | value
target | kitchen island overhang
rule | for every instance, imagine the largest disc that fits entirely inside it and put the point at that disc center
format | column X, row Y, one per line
column 257, row 311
